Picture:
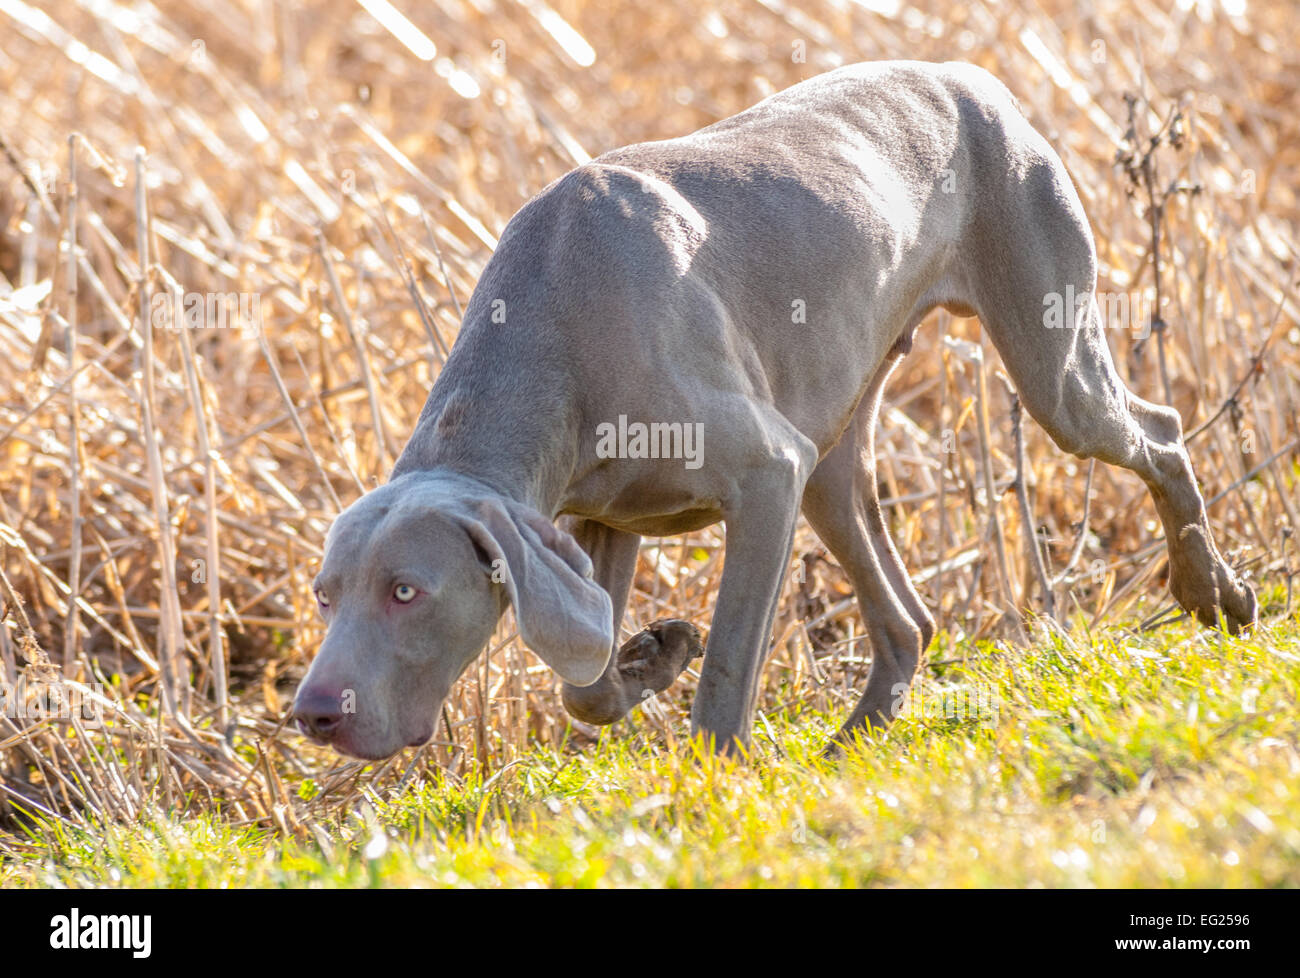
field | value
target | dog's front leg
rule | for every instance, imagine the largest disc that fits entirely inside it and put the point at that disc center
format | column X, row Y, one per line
column 645, row 664
column 760, row 534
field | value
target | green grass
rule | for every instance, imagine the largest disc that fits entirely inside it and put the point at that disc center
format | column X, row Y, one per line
column 1170, row 759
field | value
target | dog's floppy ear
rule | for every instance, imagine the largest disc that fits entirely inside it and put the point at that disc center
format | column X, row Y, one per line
column 564, row 616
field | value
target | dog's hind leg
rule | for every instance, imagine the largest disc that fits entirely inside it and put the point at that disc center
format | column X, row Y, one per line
column 1033, row 275
column 842, row 504
column 649, row 661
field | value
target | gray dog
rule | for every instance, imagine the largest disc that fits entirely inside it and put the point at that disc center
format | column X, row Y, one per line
column 699, row 329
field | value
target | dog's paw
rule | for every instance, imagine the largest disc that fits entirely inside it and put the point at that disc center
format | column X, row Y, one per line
column 654, row 657
column 1203, row 584
column 1225, row 594
column 1237, row 600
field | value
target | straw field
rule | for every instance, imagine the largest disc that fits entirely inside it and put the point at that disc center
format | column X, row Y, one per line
column 236, row 237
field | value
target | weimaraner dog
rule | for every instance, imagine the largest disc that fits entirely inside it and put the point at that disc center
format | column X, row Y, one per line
column 699, row 329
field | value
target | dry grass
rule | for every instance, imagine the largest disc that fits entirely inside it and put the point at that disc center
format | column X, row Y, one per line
column 301, row 153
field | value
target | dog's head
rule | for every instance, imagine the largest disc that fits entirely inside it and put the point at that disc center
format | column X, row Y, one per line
column 415, row 576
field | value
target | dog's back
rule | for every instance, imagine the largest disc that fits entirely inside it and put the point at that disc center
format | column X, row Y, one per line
column 821, row 225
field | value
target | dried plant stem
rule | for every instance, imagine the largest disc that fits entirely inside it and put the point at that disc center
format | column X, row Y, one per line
column 442, row 265
column 944, row 417
column 1155, row 215
column 171, row 642
column 271, row 362
column 72, row 621
column 991, row 494
column 1253, row 372
column 359, row 344
column 1081, row 538
column 408, row 277
column 1026, row 511
column 212, row 552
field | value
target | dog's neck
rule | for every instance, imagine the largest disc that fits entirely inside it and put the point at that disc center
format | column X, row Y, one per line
column 512, row 430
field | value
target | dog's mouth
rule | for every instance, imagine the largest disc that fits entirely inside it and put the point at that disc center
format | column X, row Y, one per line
column 362, row 753
column 422, row 739
column 343, row 743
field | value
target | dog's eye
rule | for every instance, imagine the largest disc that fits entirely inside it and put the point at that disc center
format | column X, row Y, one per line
column 404, row 593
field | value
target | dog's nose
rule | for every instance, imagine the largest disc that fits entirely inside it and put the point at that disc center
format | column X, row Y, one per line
column 318, row 715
